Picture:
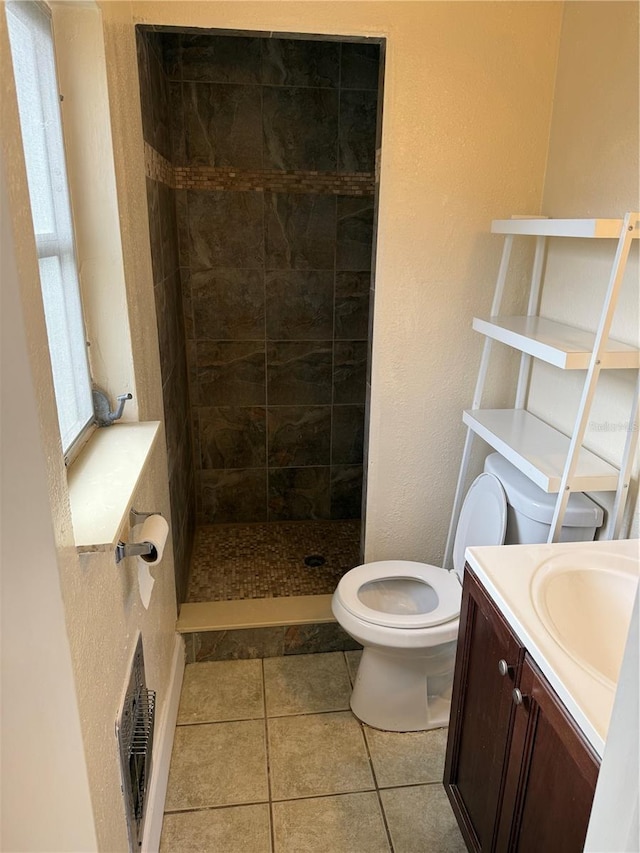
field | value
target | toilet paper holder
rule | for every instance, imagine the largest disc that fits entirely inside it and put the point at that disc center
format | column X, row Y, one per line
column 135, row 549
column 136, row 517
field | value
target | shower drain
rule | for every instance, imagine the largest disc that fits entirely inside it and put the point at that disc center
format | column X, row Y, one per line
column 314, row 561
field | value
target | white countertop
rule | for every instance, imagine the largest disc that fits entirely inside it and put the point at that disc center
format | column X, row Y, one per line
column 507, row 572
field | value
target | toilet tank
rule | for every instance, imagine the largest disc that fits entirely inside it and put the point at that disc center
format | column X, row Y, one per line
column 530, row 510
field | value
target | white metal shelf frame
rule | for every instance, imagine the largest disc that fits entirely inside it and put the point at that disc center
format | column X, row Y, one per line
column 557, row 463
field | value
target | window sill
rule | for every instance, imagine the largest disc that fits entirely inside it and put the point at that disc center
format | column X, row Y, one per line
column 103, row 480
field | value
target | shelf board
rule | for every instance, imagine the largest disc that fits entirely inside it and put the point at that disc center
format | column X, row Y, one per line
column 103, row 481
column 563, row 346
column 539, row 450
column 598, row 228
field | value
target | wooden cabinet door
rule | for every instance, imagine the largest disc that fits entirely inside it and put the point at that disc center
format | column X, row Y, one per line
column 551, row 775
column 481, row 715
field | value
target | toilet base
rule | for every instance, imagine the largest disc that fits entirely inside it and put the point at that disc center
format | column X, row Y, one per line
column 404, row 692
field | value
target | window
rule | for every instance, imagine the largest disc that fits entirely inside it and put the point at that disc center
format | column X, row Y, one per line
column 33, row 58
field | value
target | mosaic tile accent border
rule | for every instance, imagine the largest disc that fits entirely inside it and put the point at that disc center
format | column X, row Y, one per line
column 159, row 169
column 296, row 181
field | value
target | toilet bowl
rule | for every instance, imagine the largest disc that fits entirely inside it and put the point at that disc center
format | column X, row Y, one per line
column 404, row 677
column 405, row 614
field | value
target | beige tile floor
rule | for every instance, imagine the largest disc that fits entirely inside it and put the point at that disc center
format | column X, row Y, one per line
column 268, row 758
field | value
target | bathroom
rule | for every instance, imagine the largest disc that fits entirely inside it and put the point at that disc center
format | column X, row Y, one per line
column 470, row 132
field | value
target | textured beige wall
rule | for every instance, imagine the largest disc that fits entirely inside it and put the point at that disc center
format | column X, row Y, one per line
column 593, row 149
column 467, row 107
column 102, row 608
column 104, row 616
column 593, row 171
column 44, row 788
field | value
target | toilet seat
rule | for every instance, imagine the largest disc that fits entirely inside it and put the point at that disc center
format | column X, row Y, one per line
column 483, row 518
column 385, row 592
column 444, row 584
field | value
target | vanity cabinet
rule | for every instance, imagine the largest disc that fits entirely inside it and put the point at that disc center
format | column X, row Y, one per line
column 518, row 772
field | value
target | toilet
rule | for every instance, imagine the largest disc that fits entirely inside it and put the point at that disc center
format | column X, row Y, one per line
column 406, row 614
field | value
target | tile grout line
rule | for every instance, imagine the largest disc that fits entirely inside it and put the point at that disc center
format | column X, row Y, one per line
column 265, row 296
column 409, row 785
column 210, row 808
column 196, row 723
column 375, row 781
column 333, row 313
column 325, row 796
column 273, row 85
column 268, row 759
column 373, row 772
column 216, row 807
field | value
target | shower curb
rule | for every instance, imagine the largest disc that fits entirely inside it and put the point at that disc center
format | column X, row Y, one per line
column 259, row 628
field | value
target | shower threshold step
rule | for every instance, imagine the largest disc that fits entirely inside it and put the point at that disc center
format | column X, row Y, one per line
column 261, row 628
column 254, row 613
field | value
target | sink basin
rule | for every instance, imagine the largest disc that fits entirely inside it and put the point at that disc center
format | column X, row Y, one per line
column 584, row 600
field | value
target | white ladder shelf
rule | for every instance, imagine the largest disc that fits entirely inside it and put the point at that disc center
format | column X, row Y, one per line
column 555, row 462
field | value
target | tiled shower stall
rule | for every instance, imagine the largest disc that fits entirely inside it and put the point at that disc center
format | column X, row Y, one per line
column 260, row 176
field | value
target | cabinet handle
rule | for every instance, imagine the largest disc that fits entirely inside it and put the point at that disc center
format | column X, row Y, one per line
column 517, row 697
column 504, row 668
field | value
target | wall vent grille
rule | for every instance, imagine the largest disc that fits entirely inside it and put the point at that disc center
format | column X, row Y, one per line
column 134, row 729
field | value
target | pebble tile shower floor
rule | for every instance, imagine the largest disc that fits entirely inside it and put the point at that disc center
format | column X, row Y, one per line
column 268, row 758
column 236, row 561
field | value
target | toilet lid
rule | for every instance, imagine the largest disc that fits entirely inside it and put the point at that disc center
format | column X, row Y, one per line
column 400, row 594
column 483, row 518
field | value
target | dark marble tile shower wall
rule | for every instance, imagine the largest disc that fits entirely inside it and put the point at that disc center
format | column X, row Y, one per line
column 275, row 284
column 154, row 92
